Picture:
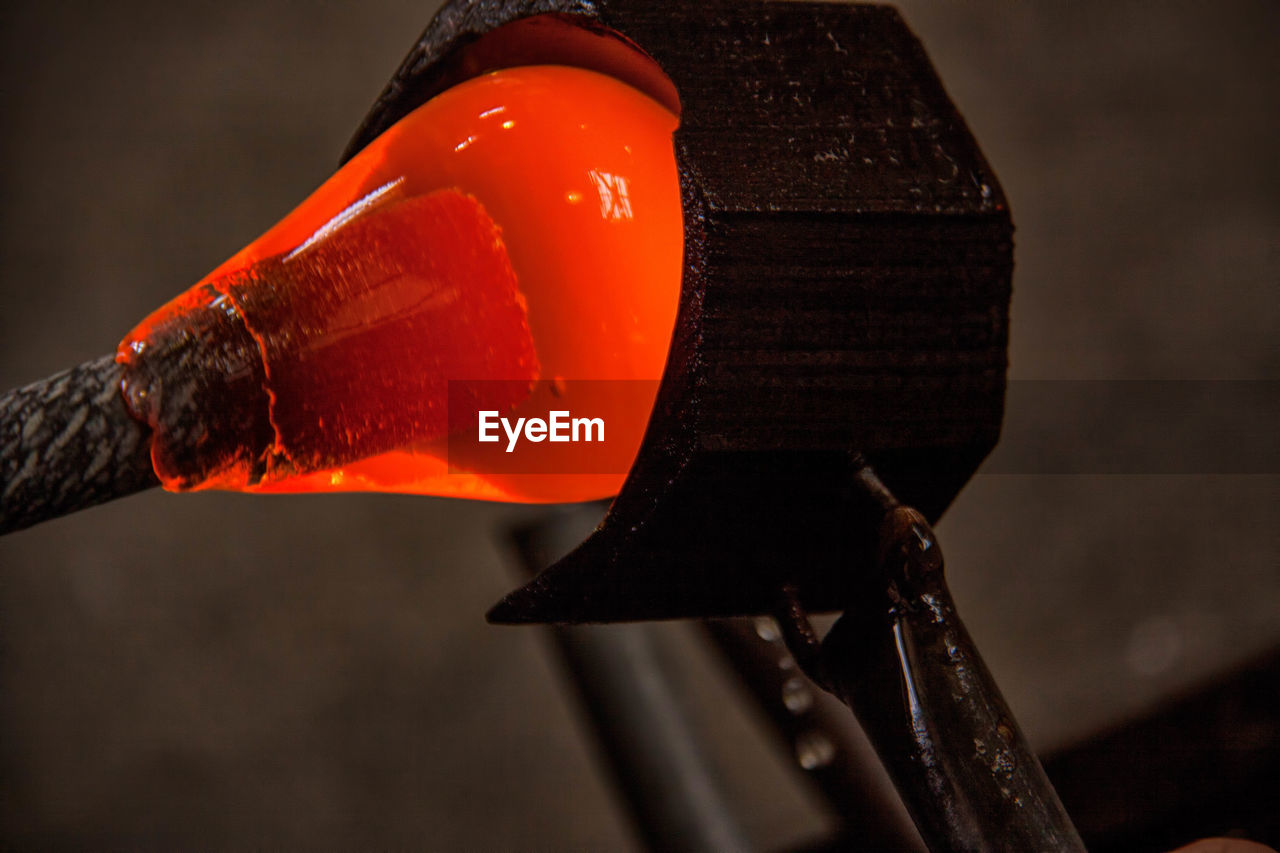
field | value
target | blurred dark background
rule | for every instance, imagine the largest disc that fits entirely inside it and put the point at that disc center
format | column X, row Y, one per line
column 308, row 672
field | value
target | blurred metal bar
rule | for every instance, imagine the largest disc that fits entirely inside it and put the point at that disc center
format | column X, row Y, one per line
column 820, row 733
column 645, row 735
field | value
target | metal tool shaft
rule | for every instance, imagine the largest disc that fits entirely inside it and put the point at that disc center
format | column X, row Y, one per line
column 902, row 660
column 68, row 443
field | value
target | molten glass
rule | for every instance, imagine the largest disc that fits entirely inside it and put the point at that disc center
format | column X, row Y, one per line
column 522, row 226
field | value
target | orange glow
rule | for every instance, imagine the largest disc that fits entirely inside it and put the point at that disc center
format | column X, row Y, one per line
column 522, row 225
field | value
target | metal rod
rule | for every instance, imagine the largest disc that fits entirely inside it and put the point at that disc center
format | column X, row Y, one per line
column 68, row 443
column 819, row 732
column 651, row 746
column 902, row 659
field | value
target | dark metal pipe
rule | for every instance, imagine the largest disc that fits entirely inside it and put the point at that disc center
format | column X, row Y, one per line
column 648, row 741
column 902, row 659
column 68, row 443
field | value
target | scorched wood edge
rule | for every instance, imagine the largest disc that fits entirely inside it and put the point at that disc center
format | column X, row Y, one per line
column 848, row 259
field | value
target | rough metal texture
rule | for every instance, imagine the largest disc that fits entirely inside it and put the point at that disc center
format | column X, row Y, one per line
column 67, row 443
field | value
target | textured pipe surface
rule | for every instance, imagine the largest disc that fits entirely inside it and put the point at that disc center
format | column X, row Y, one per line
column 67, row 443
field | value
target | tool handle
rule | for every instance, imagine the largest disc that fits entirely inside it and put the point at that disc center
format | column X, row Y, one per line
column 906, row 665
column 68, row 443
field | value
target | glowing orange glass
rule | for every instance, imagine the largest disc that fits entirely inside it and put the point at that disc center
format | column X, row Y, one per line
column 523, row 225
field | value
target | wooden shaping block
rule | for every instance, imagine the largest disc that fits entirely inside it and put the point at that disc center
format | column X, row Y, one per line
column 848, row 258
